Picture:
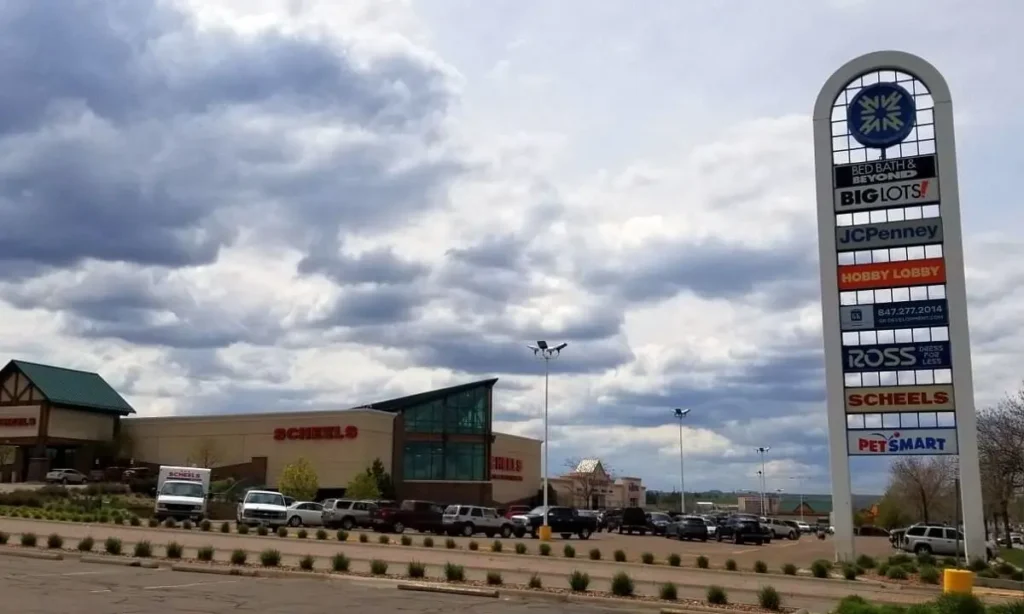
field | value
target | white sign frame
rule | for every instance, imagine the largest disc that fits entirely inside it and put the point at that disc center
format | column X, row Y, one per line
column 956, row 295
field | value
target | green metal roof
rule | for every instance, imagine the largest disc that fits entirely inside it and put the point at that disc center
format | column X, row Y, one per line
column 401, row 403
column 78, row 389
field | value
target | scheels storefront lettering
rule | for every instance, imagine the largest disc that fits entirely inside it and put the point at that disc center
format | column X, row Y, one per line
column 17, row 421
column 508, row 464
column 316, row 432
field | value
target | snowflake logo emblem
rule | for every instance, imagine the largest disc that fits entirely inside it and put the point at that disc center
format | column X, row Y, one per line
column 881, row 113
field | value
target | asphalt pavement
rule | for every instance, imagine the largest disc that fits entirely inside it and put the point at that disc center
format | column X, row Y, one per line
column 72, row 587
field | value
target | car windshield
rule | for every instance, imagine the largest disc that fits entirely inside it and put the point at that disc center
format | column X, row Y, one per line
column 265, row 498
column 661, row 517
column 537, row 510
column 182, row 489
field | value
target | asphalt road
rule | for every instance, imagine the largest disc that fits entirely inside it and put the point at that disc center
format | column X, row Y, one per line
column 69, row 587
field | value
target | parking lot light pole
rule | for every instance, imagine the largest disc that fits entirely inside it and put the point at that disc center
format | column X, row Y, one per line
column 762, row 451
column 680, row 414
column 544, row 351
column 800, row 484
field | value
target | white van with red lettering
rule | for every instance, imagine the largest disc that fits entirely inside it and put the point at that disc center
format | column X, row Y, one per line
column 182, row 493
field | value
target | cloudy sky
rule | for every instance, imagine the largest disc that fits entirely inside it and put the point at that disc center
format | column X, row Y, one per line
column 243, row 205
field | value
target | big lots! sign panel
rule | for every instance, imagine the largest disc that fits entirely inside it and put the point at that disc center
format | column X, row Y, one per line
column 902, row 442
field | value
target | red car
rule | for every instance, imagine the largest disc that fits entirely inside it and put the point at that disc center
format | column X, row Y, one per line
column 515, row 510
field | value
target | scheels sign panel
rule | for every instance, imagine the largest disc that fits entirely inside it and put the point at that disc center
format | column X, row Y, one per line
column 505, row 468
column 902, row 442
column 16, row 422
column 316, row 432
column 895, row 399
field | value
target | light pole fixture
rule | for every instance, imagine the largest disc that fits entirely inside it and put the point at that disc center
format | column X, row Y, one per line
column 543, row 351
column 800, row 484
column 762, row 451
column 680, row 414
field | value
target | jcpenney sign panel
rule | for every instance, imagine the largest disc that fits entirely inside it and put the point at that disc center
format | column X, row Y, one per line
column 889, row 234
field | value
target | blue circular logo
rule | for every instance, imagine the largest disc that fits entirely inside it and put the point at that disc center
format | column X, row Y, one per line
column 881, row 115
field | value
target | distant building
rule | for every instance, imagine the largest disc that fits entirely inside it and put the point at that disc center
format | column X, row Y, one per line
column 809, row 506
column 589, row 486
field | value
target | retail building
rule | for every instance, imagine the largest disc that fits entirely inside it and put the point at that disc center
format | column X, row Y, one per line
column 436, row 445
column 590, row 486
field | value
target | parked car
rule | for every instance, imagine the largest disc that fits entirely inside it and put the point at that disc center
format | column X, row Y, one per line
column 305, row 514
column 869, row 530
column 781, row 529
column 611, row 519
column 66, row 476
column 423, row 516
column 688, row 527
column 468, row 520
column 804, row 527
column 262, row 507
column 742, row 528
column 346, row 514
column 564, row 521
column 658, row 522
column 939, row 540
column 516, row 509
column 634, row 520
column 711, row 525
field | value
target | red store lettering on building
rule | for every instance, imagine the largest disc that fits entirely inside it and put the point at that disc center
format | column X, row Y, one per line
column 17, row 421
column 504, row 468
column 315, row 432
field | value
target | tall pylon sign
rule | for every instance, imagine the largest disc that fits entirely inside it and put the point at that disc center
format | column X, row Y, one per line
column 893, row 298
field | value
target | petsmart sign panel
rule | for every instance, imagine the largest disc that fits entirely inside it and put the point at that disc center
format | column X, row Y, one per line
column 902, row 442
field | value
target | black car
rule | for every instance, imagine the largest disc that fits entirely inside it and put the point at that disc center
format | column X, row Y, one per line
column 741, row 529
column 657, row 522
column 564, row 521
column 688, row 527
column 633, row 520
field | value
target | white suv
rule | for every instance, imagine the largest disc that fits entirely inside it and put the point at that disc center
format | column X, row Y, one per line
column 467, row 520
column 263, row 507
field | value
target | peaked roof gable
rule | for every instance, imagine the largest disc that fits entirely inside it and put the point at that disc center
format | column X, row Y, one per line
column 73, row 388
column 425, row 397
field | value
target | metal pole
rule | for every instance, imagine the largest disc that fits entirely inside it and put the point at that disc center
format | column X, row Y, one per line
column 546, row 466
column 682, row 474
column 764, row 482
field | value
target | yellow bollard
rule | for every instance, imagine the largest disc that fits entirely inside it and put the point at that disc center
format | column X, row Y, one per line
column 957, row 581
column 545, row 533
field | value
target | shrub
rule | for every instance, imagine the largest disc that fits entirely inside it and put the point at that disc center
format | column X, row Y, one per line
column 4, row 538
column 987, row 573
column 187, row 525
column 949, row 562
column 321, row 534
column 929, row 575
column 977, row 565
column 882, row 569
column 340, row 562
column 473, row 546
column 29, row 540
column 262, row 531
column 143, row 549
column 716, row 595
column 535, row 582
column 302, row 534
column 238, row 556
column 647, row 558
column 850, row 571
column 579, row 581
column 205, row 554
column 416, row 570
column 450, row 544
column 406, row 540
column 243, row 529
column 428, row 542
column 383, row 539
column 225, row 527
column 730, row 565
column 363, row 538
column 341, row 535
column 899, row 559
column 54, row 541
column 270, row 557
column 620, row 556
column 668, row 592
column 496, row 546
column 544, row 550
column 820, row 568
column 674, row 560
column 153, row 523
column 622, row 585
column 789, row 569
column 1005, row 569
column 959, row 603
column 454, row 573
column 174, row 550
column 520, row 548
column 205, row 525
column 569, row 552
column 769, row 598
column 169, row 523
column 1017, row 575
column 896, row 572
column 132, row 520
column 926, row 558
column 112, row 545
column 702, row 562
column 282, row 531
column 306, row 563
column 494, row 578
column 86, row 544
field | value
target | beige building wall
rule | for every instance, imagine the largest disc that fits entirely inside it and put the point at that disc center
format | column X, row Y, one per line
column 236, row 439
column 19, row 421
column 624, row 492
column 71, row 424
column 515, row 467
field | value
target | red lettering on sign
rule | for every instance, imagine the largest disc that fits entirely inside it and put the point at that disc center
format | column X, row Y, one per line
column 506, row 463
column 17, row 421
column 303, row 433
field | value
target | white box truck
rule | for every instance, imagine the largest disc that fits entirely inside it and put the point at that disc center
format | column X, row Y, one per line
column 182, row 493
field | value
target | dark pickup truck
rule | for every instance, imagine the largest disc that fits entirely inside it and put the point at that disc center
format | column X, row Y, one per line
column 564, row 521
column 423, row 516
column 742, row 529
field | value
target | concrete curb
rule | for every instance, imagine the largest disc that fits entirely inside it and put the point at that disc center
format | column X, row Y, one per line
column 32, row 554
column 448, row 590
column 216, row 571
column 119, row 561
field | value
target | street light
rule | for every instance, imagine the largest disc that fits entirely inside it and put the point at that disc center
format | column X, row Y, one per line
column 547, row 353
column 762, row 451
column 681, row 413
column 800, row 484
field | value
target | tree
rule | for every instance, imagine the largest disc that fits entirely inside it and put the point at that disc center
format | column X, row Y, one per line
column 1001, row 454
column 891, row 514
column 205, row 454
column 590, row 476
column 299, row 481
column 924, row 484
column 385, row 487
column 363, row 486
